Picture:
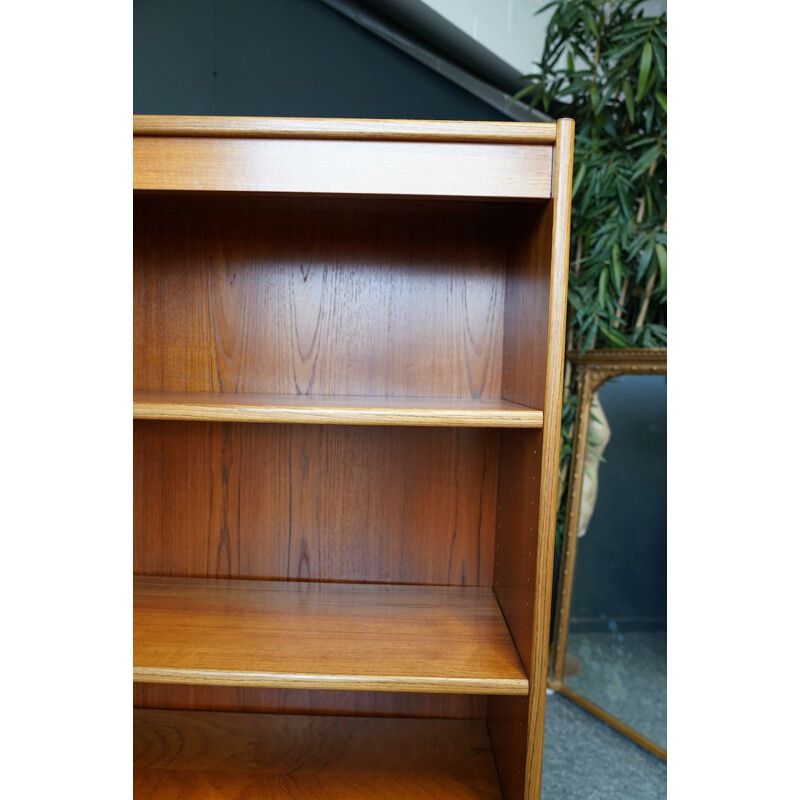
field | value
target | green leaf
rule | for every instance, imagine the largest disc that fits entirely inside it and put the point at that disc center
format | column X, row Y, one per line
column 648, row 117
column 644, row 261
column 645, row 160
column 661, row 254
column 591, row 24
column 525, row 92
column 595, row 98
column 662, row 100
column 578, row 180
column 644, row 69
column 616, row 267
column 629, row 104
column 615, row 337
column 601, row 288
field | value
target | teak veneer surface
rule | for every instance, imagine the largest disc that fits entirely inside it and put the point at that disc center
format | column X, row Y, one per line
column 317, row 635
column 197, row 755
column 248, row 297
column 325, row 166
column 314, row 502
column 321, row 409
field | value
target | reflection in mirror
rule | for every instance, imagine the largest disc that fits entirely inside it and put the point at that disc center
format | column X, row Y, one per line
column 616, row 652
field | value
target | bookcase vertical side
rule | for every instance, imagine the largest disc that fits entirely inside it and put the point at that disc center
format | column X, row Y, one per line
column 533, row 367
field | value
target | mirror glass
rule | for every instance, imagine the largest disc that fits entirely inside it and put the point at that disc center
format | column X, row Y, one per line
column 617, row 644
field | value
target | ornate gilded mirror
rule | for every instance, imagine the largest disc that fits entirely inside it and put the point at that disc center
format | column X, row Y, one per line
column 609, row 650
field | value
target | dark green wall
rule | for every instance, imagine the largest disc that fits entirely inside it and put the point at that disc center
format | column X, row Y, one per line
column 282, row 58
column 621, row 566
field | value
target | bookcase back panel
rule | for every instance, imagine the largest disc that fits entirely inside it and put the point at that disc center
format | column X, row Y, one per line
column 300, row 701
column 310, row 502
column 332, row 297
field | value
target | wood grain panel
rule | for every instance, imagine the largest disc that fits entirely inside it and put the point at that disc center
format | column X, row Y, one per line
column 320, row 166
column 199, row 755
column 321, row 409
column 295, row 634
column 310, row 701
column 354, row 129
column 401, row 505
column 533, row 366
column 246, row 297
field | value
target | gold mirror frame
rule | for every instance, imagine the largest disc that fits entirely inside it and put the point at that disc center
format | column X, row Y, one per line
column 592, row 370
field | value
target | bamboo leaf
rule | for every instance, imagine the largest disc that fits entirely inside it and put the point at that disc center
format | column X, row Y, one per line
column 644, row 261
column 661, row 254
column 601, row 288
column 525, row 92
column 615, row 337
column 616, row 267
column 591, row 24
column 581, row 174
column 662, row 100
column 644, row 69
column 629, row 103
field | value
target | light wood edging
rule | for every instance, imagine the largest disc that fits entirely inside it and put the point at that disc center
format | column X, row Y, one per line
column 617, row 724
column 363, row 129
column 367, row 683
column 334, row 410
column 562, row 199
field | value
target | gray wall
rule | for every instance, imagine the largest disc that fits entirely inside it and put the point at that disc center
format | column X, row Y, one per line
column 282, row 58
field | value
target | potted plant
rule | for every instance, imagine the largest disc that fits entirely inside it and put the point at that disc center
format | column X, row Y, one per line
column 605, row 65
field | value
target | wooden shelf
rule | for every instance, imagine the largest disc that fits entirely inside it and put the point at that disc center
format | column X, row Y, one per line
column 318, row 409
column 197, row 754
column 377, row 637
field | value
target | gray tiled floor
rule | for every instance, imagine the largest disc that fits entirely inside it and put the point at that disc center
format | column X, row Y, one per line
column 584, row 759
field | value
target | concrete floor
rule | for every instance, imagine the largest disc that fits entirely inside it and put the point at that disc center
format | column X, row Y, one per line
column 626, row 675
column 584, row 759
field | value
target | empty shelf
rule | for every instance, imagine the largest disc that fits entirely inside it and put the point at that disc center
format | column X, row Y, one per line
column 371, row 637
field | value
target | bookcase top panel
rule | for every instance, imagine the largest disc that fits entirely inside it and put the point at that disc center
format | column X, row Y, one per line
column 374, row 158
column 363, row 129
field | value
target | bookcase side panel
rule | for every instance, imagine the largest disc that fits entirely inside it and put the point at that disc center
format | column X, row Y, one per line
column 533, row 359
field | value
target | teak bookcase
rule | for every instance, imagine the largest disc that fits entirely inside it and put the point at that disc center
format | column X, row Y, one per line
column 348, row 356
